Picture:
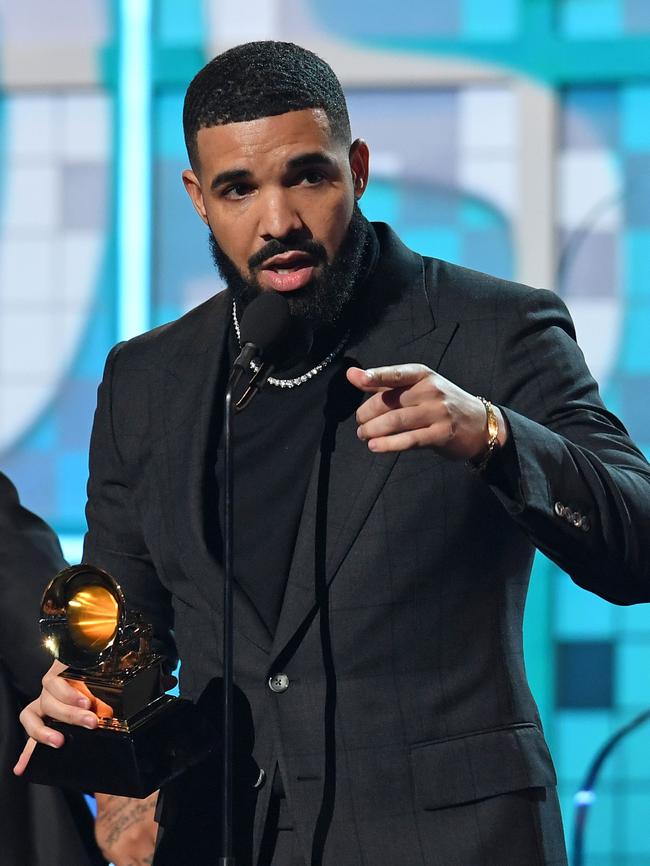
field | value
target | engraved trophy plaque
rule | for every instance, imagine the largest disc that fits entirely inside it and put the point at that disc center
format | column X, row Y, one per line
column 144, row 737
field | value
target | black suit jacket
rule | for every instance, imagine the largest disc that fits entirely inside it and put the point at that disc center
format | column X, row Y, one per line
column 408, row 733
column 39, row 826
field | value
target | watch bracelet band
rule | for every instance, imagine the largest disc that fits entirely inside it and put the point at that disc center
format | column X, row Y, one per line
column 493, row 433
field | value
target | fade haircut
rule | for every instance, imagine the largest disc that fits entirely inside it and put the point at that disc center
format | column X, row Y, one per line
column 261, row 79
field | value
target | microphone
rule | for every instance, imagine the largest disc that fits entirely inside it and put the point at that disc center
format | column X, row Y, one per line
column 265, row 322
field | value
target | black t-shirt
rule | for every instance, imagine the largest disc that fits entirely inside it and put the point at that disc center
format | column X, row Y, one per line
column 276, row 438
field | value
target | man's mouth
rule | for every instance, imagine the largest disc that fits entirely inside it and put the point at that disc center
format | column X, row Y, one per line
column 287, row 271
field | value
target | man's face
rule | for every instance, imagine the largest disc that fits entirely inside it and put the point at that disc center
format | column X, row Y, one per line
column 278, row 194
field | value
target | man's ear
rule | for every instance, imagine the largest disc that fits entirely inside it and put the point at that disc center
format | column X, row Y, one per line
column 193, row 189
column 359, row 162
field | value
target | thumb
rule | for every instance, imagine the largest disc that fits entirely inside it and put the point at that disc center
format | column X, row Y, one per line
column 363, row 381
column 384, row 378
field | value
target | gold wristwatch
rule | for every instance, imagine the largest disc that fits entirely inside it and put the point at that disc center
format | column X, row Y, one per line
column 493, row 433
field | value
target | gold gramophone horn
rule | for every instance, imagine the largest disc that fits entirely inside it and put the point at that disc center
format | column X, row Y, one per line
column 93, row 615
column 82, row 613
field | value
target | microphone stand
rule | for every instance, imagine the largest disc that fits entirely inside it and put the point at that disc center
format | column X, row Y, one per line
column 230, row 409
column 586, row 795
column 227, row 858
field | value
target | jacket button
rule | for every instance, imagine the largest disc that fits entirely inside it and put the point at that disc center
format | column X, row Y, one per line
column 279, row 683
column 260, row 780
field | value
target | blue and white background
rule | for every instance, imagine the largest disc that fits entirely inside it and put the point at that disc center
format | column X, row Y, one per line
column 512, row 136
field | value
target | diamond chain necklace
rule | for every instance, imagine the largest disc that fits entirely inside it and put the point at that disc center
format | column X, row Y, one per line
column 297, row 380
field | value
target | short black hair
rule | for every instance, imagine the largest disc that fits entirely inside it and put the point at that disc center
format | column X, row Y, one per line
column 261, row 79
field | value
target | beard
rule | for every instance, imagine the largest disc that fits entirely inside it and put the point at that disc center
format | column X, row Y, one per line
column 323, row 300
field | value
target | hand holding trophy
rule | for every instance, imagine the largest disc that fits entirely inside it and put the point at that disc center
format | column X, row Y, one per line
column 144, row 737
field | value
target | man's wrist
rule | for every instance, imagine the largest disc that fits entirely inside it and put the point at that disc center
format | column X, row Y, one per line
column 495, row 433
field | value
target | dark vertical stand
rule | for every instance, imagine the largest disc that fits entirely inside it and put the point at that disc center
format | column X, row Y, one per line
column 586, row 795
column 265, row 321
column 227, row 858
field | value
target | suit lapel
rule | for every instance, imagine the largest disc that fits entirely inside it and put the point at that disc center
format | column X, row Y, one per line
column 347, row 478
column 192, row 378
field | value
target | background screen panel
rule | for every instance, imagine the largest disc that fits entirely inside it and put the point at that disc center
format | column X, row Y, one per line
column 56, row 292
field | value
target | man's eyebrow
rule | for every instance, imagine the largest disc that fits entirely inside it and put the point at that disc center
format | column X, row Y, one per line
column 233, row 175
column 306, row 160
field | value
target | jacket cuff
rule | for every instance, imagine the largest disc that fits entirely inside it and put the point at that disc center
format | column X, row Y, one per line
column 517, row 473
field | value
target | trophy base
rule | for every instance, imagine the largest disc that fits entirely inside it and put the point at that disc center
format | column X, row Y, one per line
column 164, row 740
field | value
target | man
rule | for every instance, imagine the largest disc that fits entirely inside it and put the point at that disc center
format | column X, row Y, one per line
column 383, row 713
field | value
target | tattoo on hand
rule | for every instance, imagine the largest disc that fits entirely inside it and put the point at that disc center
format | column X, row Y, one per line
column 123, row 816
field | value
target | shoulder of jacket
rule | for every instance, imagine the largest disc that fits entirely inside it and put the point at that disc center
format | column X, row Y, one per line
column 173, row 337
column 456, row 291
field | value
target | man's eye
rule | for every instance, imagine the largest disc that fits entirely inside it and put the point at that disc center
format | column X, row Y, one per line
column 311, row 177
column 238, row 190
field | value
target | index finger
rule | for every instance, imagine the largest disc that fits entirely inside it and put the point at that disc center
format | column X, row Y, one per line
column 381, row 378
column 25, row 755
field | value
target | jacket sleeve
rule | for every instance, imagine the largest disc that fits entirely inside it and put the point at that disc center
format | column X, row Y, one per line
column 30, row 556
column 570, row 477
column 115, row 540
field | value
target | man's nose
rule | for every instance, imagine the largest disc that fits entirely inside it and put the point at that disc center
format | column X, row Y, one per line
column 278, row 216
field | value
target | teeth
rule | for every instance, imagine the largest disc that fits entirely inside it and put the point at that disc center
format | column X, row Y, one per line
column 290, row 267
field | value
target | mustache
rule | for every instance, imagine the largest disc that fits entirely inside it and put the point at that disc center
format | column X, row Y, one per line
column 275, row 248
